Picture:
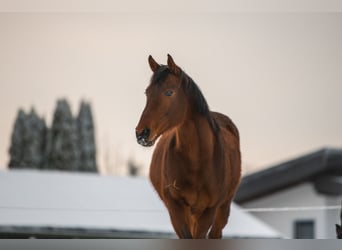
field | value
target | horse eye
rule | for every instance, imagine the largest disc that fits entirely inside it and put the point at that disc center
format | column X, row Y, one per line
column 168, row 93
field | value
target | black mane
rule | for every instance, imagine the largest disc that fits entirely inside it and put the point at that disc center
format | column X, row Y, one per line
column 194, row 93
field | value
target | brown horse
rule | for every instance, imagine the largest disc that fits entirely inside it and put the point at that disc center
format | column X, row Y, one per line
column 196, row 165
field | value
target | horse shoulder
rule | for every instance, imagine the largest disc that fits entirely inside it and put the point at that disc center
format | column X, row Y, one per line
column 157, row 166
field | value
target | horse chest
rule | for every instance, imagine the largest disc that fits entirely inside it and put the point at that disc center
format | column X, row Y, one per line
column 188, row 187
column 186, row 178
column 197, row 200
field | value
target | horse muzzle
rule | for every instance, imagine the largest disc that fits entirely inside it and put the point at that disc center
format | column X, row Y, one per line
column 142, row 137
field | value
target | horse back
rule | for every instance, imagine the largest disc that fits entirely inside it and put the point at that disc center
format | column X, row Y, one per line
column 225, row 122
column 231, row 147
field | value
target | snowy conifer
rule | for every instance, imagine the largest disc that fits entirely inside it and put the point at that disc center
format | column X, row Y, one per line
column 28, row 141
column 34, row 141
column 86, row 139
column 63, row 139
column 17, row 141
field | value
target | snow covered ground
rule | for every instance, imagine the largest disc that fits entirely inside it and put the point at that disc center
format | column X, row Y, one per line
column 50, row 199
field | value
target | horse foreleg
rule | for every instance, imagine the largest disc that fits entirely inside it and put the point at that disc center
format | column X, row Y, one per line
column 203, row 223
column 179, row 219
column 220, row 221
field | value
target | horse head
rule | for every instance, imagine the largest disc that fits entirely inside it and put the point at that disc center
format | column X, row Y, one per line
column 166, row 102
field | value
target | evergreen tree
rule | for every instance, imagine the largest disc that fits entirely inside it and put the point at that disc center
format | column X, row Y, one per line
column 86, row 139
column 68, row 145
column 63, row 140
column 28, row 141
column 34, row 140
column 17, row 141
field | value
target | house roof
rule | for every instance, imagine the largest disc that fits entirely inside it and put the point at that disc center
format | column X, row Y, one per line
column 322, row 167
column 65, row 204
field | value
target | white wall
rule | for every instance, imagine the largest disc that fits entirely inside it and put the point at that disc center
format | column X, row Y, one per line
column 303, row 195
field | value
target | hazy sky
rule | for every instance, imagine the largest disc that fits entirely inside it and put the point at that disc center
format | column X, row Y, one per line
column 277, row 75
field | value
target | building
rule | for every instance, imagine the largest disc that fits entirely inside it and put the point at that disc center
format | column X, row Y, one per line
column 301, row 197
column 50, row 204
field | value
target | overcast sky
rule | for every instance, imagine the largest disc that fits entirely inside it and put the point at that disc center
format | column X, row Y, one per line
column 277, row 75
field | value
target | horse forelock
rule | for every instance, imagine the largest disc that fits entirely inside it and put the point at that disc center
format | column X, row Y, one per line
column 160, row 75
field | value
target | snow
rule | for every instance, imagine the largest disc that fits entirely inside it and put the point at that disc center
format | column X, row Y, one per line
column 90, row 201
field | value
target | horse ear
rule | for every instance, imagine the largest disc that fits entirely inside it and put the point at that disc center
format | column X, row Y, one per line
column 172, row 66
column 153, row 64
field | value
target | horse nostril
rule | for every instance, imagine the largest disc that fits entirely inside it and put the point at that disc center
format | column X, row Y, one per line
column 144, row 134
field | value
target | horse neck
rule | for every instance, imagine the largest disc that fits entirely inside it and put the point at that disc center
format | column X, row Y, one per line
column 195, row 138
